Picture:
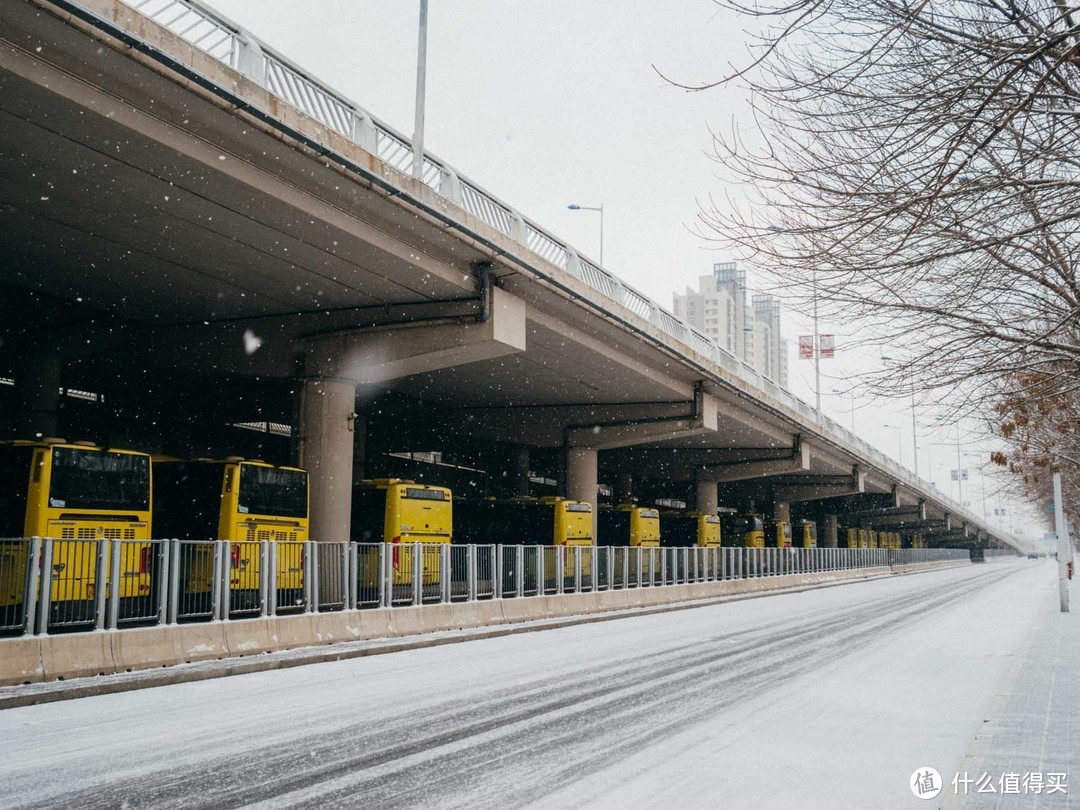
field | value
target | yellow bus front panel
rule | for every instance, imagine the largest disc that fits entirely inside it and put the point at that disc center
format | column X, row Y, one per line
column 399, row 513
column 645, row 527
column 573, row 528
column 782, row 534
column 83, row 493
column 247, row 503
column 807, row 535
column 708, row 531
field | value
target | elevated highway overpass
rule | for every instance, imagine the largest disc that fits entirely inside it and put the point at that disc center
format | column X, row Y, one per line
column 198, row 234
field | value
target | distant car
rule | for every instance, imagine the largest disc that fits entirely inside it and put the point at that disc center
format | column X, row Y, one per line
column 1032, row 556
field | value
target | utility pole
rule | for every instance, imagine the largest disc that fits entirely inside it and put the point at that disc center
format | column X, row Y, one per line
column 817, row 354
column 914, row 439
column 959, row 469
column 1063, row 545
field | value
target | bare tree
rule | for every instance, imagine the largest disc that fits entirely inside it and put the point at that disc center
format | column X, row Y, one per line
column 1039, row 415
column 915, row 165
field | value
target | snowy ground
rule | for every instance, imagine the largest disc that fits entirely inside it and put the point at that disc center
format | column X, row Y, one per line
column 828, row 698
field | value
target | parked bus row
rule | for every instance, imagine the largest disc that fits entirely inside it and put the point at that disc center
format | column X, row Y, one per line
column 80, row 492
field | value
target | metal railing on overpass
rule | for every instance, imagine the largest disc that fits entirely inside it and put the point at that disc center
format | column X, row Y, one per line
column 229, row 43
column 150, row 582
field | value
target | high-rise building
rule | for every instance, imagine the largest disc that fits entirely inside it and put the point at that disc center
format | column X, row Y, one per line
column 718, row 309
column 766, row 336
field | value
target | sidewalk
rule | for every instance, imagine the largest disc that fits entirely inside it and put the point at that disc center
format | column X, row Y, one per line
column 1031, row 736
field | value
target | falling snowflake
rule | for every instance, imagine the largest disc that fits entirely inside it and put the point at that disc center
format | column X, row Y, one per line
column 252, row 342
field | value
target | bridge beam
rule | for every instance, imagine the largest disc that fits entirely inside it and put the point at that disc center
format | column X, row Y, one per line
column 891, row 516
column 626, row 433
column 814, row 488
column 378, row 355
column 797, row 460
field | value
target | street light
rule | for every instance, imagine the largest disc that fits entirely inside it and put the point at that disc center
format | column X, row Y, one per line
column 600, row 208
column 927, row 448
column 852, row 395
column 914, row 425
column 421, row 85
column 982, row 480
column 817, row 335
column 899, row 442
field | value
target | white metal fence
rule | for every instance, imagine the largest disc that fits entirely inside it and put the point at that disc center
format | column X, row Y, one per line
column 149, row 582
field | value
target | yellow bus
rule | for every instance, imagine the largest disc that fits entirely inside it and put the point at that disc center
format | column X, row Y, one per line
column 546, row 521
column 690, row 529
column 743, row 530
column 244, row 502
column 779, row 534
column 806, row 534
column 630, row 525
column 851, row 538
column 864, row 538
column 76, row 493
column 398, row 512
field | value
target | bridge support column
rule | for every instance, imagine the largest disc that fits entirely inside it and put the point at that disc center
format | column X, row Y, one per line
column 39, row 395
column 581, row 477
column 706, row 499
column 831, row 530
column 781, row 510
column 624, row 487
column 519, row 471
column 327, row 422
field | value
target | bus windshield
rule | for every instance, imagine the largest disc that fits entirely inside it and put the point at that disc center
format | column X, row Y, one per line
column 272, row 491
column 97, row 479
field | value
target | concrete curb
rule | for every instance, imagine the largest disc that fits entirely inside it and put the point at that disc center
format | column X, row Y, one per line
column 35, row 669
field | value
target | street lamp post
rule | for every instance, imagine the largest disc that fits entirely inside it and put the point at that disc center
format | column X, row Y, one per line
column 852, row 396
column 817, row 347
column 421, row 87
column 982, row 480
column 899, row 442
column 817, row 334
column 914, row 427
column 600, row 208
column 959, row 469
column 914, row 439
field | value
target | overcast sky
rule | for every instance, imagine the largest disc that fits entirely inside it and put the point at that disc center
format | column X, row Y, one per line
column 551, row 102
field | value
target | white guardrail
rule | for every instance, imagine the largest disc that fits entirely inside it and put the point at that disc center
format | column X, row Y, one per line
column 235, row 47
column 150, row 582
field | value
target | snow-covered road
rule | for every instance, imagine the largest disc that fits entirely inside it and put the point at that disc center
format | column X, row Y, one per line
column 827, row 698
